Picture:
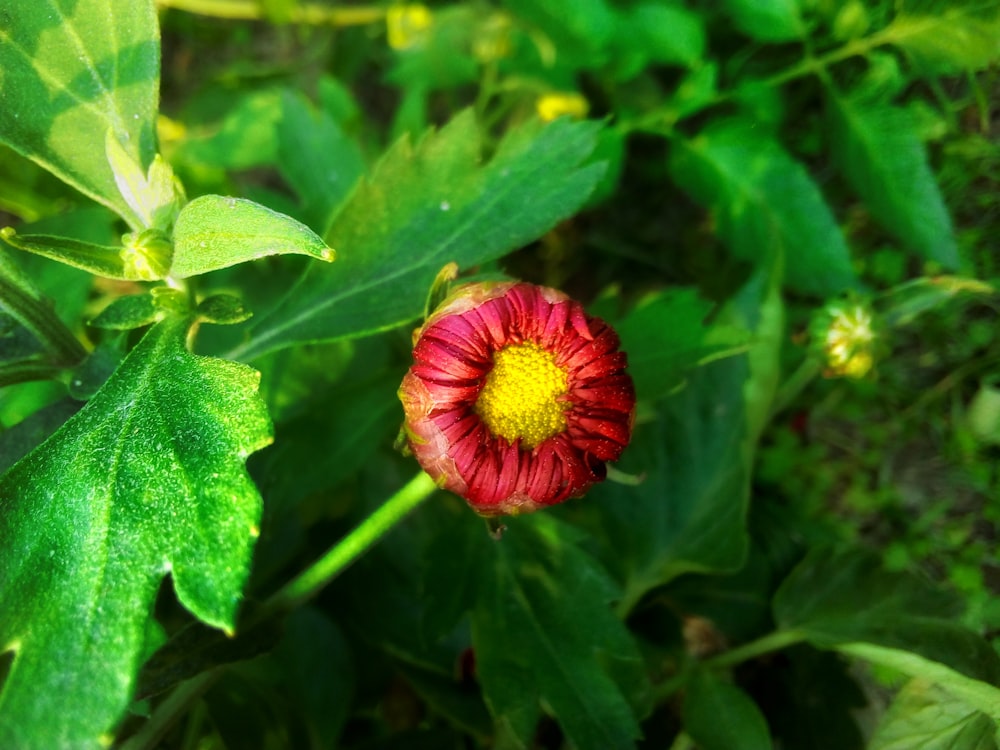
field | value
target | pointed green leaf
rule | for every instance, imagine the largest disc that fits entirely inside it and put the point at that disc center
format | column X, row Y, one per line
column 146, row 481
column 102, row 260
column 846, row 601
column 214, row 232
column 947, row 36
column 70, row 72
column 764, row 201
column 720, row 716
column 880, row 152
column 544, row 632
column 421, row 208
column 922, row 715
column 128, row 312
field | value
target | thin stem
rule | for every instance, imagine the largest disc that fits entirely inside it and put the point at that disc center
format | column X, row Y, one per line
column 775, row 641
column 343, row 553
column 795, row 384
column 310, row 13
column 168, row 712
column 41, row 320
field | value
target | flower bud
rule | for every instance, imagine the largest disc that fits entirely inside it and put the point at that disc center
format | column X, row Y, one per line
column 516, row 398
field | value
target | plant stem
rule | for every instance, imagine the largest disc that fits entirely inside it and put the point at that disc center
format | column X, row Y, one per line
column 39, row 318
column 348, row 549
column 775, row 641
column 795, row 384
column 311, row 13
column 167, row 713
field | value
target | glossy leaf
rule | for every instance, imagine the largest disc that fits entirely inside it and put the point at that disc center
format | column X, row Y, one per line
column 947, row 36
column 922, row 715
column 73, row 70
column 147, row 480
column 544, row 633
column 423, row 207
column 768, row 20
column 720, row 716
column 214, row 232
column 763, row 202
column 880, row 152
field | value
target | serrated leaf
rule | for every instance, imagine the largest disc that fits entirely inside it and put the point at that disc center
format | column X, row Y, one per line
column 214, row 232
column 844, row 600
column 543, row 631
column 668, row 334
column 720, row 716
column 147, row 480
column 947, row 36
column 424, row 207
column 922, row 715
column 764, row 201
column 880, row 152
column 70, row 71
column 768, row 20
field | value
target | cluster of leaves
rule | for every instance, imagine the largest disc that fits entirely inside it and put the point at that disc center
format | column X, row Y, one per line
column 744, row 162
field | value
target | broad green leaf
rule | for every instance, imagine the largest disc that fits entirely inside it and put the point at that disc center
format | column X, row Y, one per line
column 922, row 715
column 670, row 333
column 664, row 34
column 214, row 232
column 146, row 481
column 880, row 152
column 70, row 72
column 319, row 161
column 845, row 601
column 544, row 632
column 768, row 20
column 720, row 716
column 947, row 36
column 423, row 207
column 764, row 201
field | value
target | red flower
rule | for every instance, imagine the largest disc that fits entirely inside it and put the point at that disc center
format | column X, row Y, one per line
column 516, row 397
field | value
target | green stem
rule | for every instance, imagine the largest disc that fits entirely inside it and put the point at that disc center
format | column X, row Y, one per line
column 309, row 13
column 795, row 384
column 775, row 641
column 27, row 371
column 343, row 553
column 167, row 713
column 41, row 320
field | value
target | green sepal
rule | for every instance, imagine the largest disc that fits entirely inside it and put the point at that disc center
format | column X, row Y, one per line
column 214, row 232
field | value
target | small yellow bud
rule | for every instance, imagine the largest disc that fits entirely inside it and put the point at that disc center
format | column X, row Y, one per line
column 407, row 25
column 491, row 41
column 844, row 335
column 551, row 106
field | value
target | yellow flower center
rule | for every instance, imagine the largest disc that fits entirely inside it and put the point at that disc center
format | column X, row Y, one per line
column 521, row 396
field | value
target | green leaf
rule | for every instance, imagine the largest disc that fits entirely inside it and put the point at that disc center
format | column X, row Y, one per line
column 317, row 159
column 880, row 152
column 764, row 201
column 669, row 333
column 214, row 232
column 668, row 35
column 223, row 309
column 846, row 601
column 768, row 20
column 70, row 72
column 147, row 480
column 544, row 632
column 720, row 716
column 983, row 414
column 922, row 715
column 422, row 208
column 578, row 29
column 128, row 312
column 947, row 36
column 102, row 260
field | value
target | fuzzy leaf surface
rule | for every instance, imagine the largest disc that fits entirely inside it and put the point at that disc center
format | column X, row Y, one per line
column 925, row 716
column 423, row 207
column 764, row 202
column 883, row 158
column 214, row 232
column 544, row 631
column 73, row 71
column 146, row 480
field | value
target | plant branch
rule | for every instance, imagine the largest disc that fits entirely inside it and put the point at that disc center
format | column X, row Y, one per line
column 251, row 10
column 347, row 550
column 41, row 320
column 775, row 641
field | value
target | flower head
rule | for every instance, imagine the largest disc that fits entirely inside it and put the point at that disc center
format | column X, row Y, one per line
column 516, row 398
column 845, row 337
